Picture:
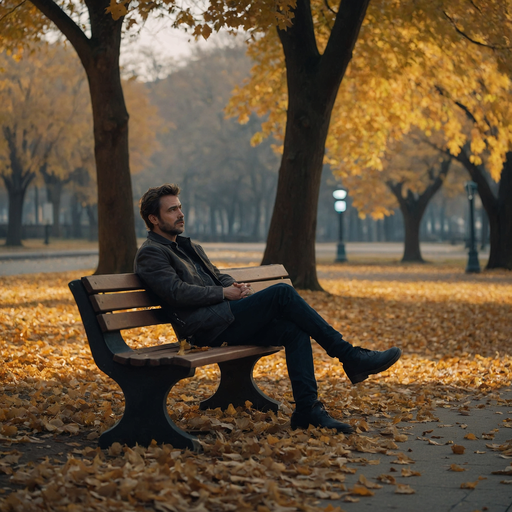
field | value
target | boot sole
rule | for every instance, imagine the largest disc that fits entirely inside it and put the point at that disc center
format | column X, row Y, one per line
column 360, row 377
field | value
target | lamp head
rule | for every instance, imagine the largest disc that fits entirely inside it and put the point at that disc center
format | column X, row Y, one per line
column 340, row 206
column 341, row 193
column 471, row 188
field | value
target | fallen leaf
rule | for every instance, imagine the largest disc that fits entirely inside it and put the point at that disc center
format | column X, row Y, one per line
column 370, row 485
column 469, row 485
column 404, row 489
column 407, row 472
column 361, row 490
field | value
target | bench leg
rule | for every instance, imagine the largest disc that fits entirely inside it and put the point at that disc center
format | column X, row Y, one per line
column 237, row 386
column 145, row 416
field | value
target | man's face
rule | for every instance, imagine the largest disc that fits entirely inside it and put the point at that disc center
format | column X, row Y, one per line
column 170, row 221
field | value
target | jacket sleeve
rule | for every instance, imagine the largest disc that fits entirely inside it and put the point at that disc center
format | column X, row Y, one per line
column 154, row 267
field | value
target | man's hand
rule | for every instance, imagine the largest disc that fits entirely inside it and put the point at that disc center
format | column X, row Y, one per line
column 238, row 291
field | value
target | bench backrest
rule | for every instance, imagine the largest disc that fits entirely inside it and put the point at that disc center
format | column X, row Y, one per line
column 117, row 299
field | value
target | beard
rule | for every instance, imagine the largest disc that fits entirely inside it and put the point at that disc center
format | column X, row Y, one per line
column 173, row 229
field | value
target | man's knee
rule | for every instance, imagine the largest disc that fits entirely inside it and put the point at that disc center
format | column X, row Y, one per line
column 285, row 290
column 288, row 334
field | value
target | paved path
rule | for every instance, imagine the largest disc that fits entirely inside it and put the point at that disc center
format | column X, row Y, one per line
column 28, row 262
column 439, row 489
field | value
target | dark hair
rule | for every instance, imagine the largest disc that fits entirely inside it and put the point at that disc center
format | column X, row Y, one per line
column 150, row 202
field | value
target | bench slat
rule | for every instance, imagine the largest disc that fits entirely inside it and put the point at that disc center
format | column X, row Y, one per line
column 261, row 285
column 112, row 283
column 251, row 274
column 116, row 301
column 166, row 355
column 129, row 320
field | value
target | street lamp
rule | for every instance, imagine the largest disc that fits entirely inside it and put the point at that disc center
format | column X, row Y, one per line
column 340, row 206
column 473, row 263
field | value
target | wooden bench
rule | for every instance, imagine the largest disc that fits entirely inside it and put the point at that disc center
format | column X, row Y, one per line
column 111, row 303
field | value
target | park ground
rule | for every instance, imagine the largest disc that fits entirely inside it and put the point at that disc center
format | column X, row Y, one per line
column 432, row 433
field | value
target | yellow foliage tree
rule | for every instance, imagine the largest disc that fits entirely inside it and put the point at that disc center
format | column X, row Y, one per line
column 47, row 128
column 94, row 28
column 411, row 68
column 33, row 120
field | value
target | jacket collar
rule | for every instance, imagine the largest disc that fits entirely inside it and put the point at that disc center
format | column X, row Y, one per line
column 162, row 240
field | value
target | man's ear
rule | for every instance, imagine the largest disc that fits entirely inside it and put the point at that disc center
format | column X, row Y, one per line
column 153, row 219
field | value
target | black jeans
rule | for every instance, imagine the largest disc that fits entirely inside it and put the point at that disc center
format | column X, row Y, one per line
column 278, row 315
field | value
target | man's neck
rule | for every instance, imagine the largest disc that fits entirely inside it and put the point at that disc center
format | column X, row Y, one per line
column 158, row 231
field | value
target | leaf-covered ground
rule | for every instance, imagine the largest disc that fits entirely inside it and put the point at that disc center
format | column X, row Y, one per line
column 455, row 331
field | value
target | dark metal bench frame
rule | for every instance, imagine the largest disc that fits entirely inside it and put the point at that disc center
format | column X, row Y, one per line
column 147, row 375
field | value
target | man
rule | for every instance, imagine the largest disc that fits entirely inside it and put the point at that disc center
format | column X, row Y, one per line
column 209, row 308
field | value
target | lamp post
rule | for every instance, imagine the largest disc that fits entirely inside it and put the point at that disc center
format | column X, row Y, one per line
column 340, row 206
column 473, row 263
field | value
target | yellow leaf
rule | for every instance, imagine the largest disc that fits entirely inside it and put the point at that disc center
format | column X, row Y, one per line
column 458, row 449
column 117, row 10
column 9, row 430
column 361, row 490
column 231, row 411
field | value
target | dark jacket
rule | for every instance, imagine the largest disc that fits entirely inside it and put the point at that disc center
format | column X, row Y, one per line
column 197, row 312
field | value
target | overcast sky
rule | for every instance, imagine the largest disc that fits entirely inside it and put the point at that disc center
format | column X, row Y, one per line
column 158, row 48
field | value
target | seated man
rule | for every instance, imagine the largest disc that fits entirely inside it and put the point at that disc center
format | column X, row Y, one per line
column 209, row 308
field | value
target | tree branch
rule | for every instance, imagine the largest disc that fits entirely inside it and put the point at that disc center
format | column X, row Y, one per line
column 396, row 189
column 471, row 40
column 436, row 183
column 343, row 38
column 463, row 107
column 299, row 42
column 329, row 8
column 12, row 10
column 68, row 27
column 478, row 176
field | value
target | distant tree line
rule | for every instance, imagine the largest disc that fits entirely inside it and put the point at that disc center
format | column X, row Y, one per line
column 180, row 133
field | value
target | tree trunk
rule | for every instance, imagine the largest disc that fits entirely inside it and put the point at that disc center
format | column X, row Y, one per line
column 501, row 236
column 76, row 216
column 92, row 216
column 499, row 210
column 412, row 220
column 413, row 207
column 14, row 225
column 291, row 237
column 100, row 58
column 313, row 81
column 116, row 227
column 54, row 185
column 16, row 183
column 485, row 229
column 255, row 235
column 36, row 206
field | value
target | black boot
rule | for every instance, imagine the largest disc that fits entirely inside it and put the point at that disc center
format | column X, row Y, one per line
column 318, row 417
column 359, row 362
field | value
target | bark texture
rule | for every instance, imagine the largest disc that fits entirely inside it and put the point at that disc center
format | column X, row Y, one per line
column 313, row 81
column 100, row 58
